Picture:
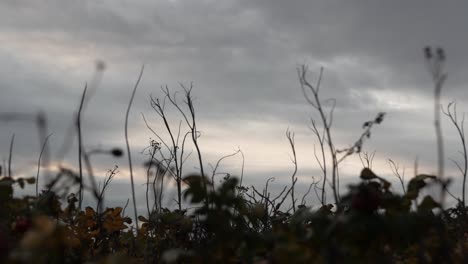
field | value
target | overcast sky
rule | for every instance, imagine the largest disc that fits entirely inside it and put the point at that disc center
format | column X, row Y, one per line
column 241, row 57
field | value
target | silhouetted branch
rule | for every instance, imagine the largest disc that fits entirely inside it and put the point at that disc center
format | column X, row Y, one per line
column 10, row 155
column 396, row 171
column 290, row 137
column 323, row 162
column 215, row 168
column 366, row 159
column 80, row 146
column 326, row 122
column 357, row 146
column 460, row 126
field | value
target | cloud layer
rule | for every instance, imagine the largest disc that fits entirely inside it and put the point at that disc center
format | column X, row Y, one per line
column 242, row 58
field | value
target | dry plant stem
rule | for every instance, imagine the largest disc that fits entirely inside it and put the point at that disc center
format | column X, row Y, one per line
column 290, row 136
column 78, row 127
column 316, row 103
column 396, row 171
column 163, row 167
column 265, row 193
column 128, row 146
column 307, row 192
column 284, row 197
column 215, row 168
column 160, row 197
column 95, row 189
column 10, row 155
column 265, row 198
column 312, row 185
column 159, row 176
column 440, row 142
column 435, row 64
column 154, row 132
column 70, row 136
column 366, row 159
column 39, row 163
column 190, row 122
column 89, row 168
column 160, row 109
column 41, row 123
column 316, row 192
column 279, row 195
column 182, row 158
column 67, row 144
column 194, row 127
column 452, row 114
column 155, row 192
column 242, row 169
column 153, row 152
column 357, row 146
column 323, row 162
column 194, row 130
column 178, row 159
column 125, row 206
column 107, row 180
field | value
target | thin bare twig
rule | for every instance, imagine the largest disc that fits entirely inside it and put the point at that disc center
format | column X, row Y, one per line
column 105, row 184
column 452, row 114
column 10, row 155
column 313, row 184
column 326, row 121
column 80, row 146
column 435, row 63
column 242, row 169
column 396, row 171
column 357, row 146
column 69, row 138
column 322, row 164
column 290, row 137
column 152, row 153
column 366, row 159
column 39, row 163
column 215, row 168
column 159, row 108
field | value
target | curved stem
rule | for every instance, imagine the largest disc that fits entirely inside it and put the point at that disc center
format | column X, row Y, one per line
column 128, row 146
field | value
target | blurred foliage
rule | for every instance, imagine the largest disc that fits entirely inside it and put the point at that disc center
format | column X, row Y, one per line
column 371, row 224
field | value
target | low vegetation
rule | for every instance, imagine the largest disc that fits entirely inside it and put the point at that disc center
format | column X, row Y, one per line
column 229, row 222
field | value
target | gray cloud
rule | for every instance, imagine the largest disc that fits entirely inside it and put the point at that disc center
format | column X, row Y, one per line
column 242, row 57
